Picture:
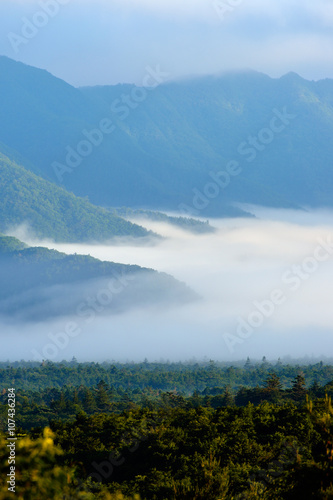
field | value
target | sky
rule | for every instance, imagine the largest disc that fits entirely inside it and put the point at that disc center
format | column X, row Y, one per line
column 98, row 42
column 263, row 287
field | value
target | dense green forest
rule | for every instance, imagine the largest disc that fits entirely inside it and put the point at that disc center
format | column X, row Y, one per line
column 52, row 212
column 165, row 376
column 165, row 431
column 64, row 389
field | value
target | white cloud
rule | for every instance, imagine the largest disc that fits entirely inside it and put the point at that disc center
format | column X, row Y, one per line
column 239, row 265
column 322, row 10
column 106, row 42
column 205, row 9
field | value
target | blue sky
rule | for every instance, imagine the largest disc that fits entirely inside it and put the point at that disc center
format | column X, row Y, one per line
column 89, row 42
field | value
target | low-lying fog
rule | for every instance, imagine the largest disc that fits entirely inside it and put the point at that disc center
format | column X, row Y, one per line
column 266, row 287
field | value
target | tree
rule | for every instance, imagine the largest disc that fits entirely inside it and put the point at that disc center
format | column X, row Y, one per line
column 264, row 363
column 298, row 390
column 37, row 474
column 248, row 364
column 273, row 388
column 315, row 390
column 229, row 399
column 102, row 397
column 273, row 383
column 279, row 363
column 89, row 403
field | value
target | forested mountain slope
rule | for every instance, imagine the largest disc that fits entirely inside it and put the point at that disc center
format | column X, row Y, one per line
column 51, row 212
column 158, row 148
column 37, row 283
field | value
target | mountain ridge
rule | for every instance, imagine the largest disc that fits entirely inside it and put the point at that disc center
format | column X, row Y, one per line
column 39, row 283
column 51, row 212
column 165, row 144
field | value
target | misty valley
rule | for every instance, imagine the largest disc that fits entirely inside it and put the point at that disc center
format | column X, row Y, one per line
column 166, row 253
column 237, row 287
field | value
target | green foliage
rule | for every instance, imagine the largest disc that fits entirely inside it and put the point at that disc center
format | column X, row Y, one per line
column 268, row 452
column 51, row 212
column 114, row 437
column 186, row 377
column 48, row 391
column 68, row 387
column 37, row 474
column 8, row 244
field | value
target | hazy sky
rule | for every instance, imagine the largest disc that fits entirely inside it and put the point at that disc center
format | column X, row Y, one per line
column 87, row 42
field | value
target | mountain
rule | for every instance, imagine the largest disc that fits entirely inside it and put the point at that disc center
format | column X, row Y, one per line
column 9, row 244
column 45, row 118
column 52, row 212
column 37, row 283
column 194, row 226
column 278, row 130
column 171, row 147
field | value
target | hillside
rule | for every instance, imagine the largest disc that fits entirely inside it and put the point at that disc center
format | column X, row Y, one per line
column 199, row 125
column 51, row 212
column 164, row 151
column 37, row 283
column 195, row 226
column 8, row 244
column 45, row 116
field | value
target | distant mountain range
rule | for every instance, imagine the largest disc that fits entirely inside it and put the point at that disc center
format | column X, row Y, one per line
column 200, row 145
column 37, row 284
